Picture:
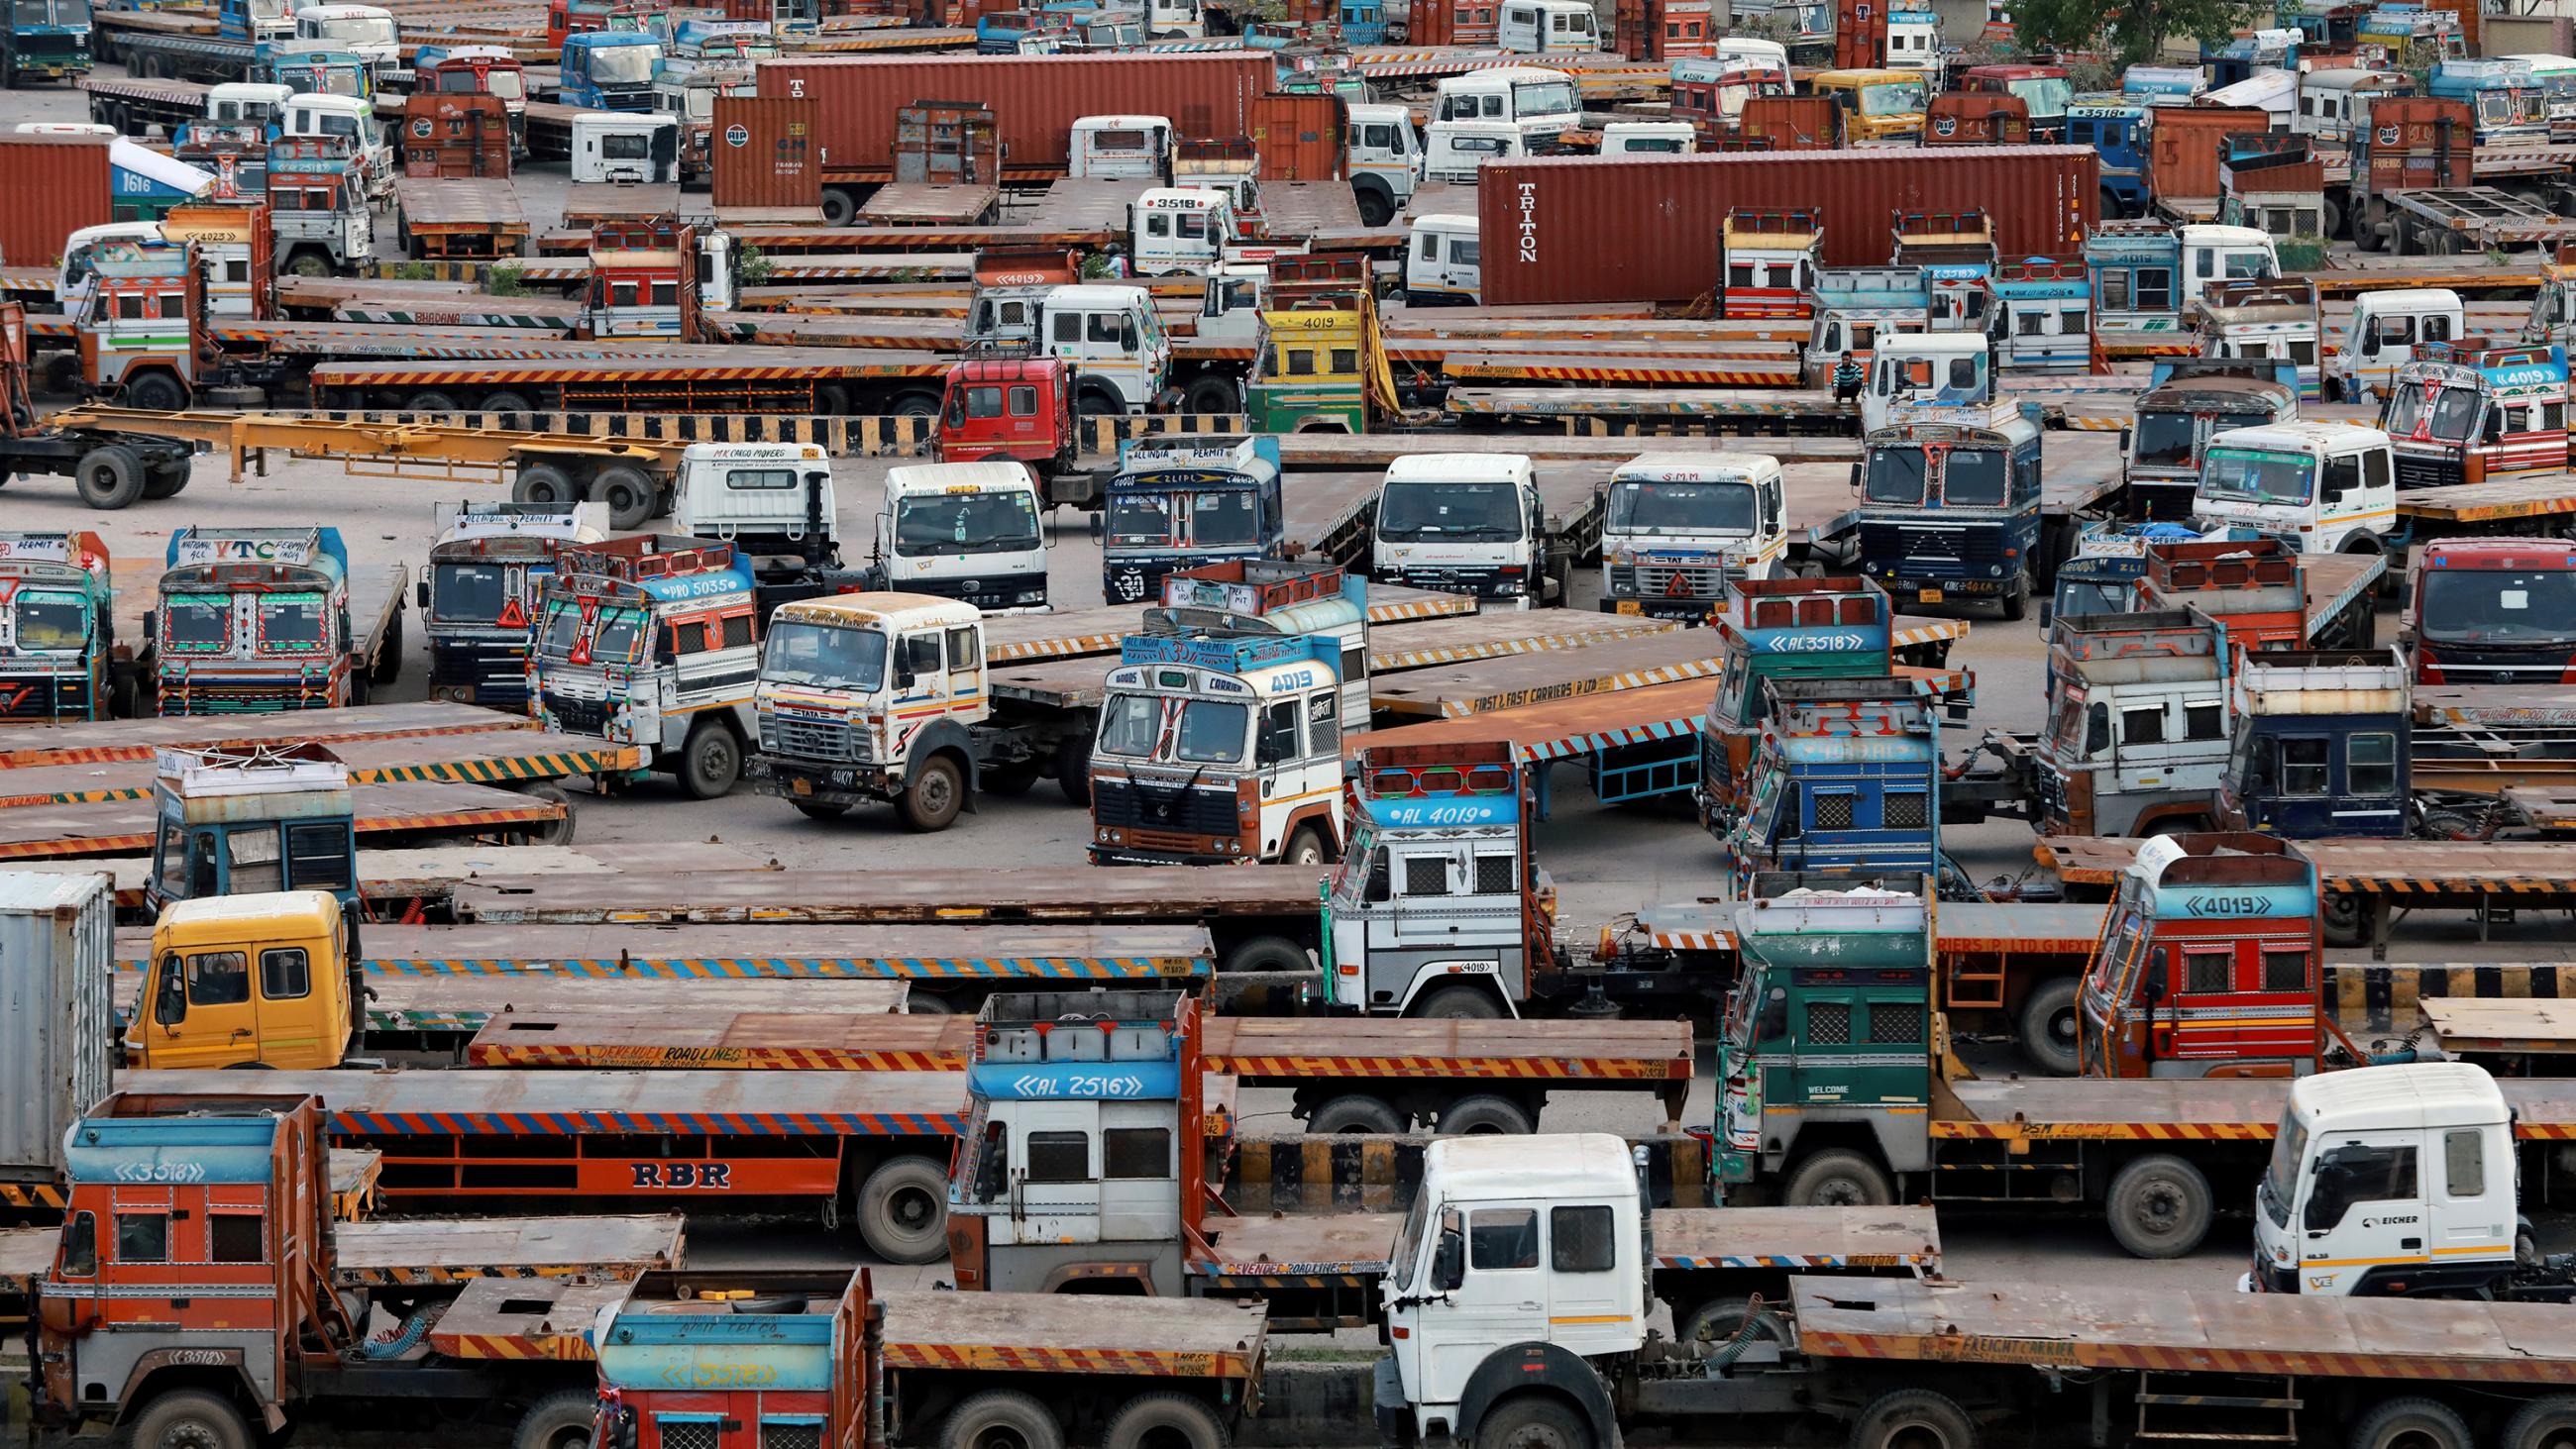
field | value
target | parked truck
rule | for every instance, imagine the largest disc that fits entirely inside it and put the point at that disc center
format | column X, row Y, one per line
column 2320, row 747
column 258, row 619
column 2190, row 401
column 963, row 530
column 46, row 39
column 480, row 585
column 2467, row 411
column 1846, row 776
column 2492, row 611
column 1952, row 509
column 1474, row 523
column 1677, row 527
column 652, row 641
column 1186, row 504
column 60, row 660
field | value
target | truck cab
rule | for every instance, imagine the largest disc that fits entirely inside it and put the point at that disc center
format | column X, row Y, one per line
column 1876, row 105
column 2273, row 321
column 479, row 586
column 1648, row 138
column 2207, row 965
column 2321, row 748
column 2163, row 85
column 964, row 531
column 1767, row 262
column 1928, row 376
column 1185, row 504
column 1120, row 148
column 644, row 279
column 1813, row 800
column 1183, row 230
column 1785, row 628
column 1311, row 371
column 1014, row 408
column 653, row 642
column 232, row 242
column 2042, row 309
column 319, row 220
column 2116, row 130
column 1439, row 908
column 1240, row 690
column 1443, row 261
column 2553, row 307
column 2506, row 99
column 2395, row 1180
column 465, row 70
column 1678, row 527
column 610, row 70
column 2493, row 611
column 1384, row 156
column 1853, row 305
column 2386, row 328
column 1710, row 91
column 1542, row 104
column 1114, row 338
column 625, row 149
column 248, row 103
column 2190, row 401
column 726, row 42
column 261, row 21
column 350, row 120
column 2137, row 732
column 1548, row 27
column 257, row 979
column 274, row 819
column 691, row 97
column 58, row 632
column 367, row 29
column 253, row 620
column 2321, row 487
column 1463, row 523
column 2044, row 88
column 2467, row 411
column 1952, row 509
column 772, row 503
column 1453, row 152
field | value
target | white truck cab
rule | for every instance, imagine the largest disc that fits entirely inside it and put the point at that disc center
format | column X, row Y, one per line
column 2213, row 253
column 964, row 531
column 1542, row 103
column 1443, row 261
column 351, row 119
column 2320, row 487
column 1120, row 148
column 1454, row 151
column 247, row 103
column 2389, row 1179
column 1649, row 138
column 366, row 29
column 1461, row 523
column 1930, row 376
column 1178, row 229
column 772, row 501
column 1677, row 526
column 1385, row 160
column 2385, row 328
column 1114, row 339
column 72, row 285
column 640, row 148
column 1755, row 49
column 1548, row 27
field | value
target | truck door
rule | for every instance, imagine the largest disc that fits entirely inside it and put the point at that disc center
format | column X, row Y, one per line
column 1591, row 1306
column 201, row 1013
column 919, row 682
column 2362, row 1207
column 2144, row 749
column 1500, row 1297
column 2472, row 1196
column 1055, row 1175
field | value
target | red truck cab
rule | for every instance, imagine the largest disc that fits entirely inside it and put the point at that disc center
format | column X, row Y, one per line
column 2208, row 963
column 1019, row 408
column 2494, row 611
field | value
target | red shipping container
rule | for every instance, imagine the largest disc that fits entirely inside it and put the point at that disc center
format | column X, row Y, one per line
column 1590, row 230
column 1453, row 22
column 56, row 185
column 2434, row 144
column 1860, row 34
column 2184, row 145
column 1300, row 138
column 1965, row 118
column 1035, row 99
column 1788, row 123
column 763, row 154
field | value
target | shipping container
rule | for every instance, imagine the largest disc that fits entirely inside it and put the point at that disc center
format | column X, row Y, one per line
column 763, row 154
column 1966, row 118
column 1453, row 22
column 1788, row 123
column 1663, row 29
column 1860, row 34
column 2418, row 142
column 1035, row 100
column 56, row 185
column 1645, row 229
column 58, row 1043
column 947, row 143
column 447, row 134
column 1301, row 138
column 2185, row 143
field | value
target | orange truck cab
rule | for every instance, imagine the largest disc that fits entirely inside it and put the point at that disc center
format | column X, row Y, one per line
column 1021, row 409
column 2208, row 963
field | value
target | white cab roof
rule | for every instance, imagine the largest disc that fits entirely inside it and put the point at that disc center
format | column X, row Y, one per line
column 2306, row 436
column 1699, row 467
column 939, row 477
column 1548, row 1168
column 2393, row 1098
column 1457, row 467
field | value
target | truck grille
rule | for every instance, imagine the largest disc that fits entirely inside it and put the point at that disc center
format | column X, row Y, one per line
column 2052, row 795
column 497, row 673
column 806, row 737
column 1481, row 582
column 1679, row 581
column 577, row 716
column 1198, row 810
column 45, row 697
column 2419, row 470
column 1919, row 552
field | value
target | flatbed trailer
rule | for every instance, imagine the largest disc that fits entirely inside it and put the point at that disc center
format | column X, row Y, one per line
column 134, row 106
column 677, row 379
column 354, row 1173
column 410, row 304
column 1071, row 633
column 2536, row 503
column 1575, row 442
column 458, row 218
column 2366, row 884
column 1250, row 912
column 510, row 758
column 122, row 741
column 1486, row 684
column 420, row 1251
column 2468, row 220
column 386, row 813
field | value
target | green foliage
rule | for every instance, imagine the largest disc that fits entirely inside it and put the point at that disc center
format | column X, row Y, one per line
column 757, row 268
column 2131, row 31
column 506, row 281
column 415, row 272
column 2303, row 253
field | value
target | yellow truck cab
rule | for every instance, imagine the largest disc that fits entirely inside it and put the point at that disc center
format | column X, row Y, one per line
column 1877, row 105
column 247, row 980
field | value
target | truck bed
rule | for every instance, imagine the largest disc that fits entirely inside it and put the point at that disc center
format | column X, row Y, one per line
column 141, row 739
column 2246, row 1110
column 429, row 872
column 115, row 827
column 1052, row 894
column 1051, row 1333
column 2495, row 706
column 436, row 1250
column 2332, row 582
column 456, row 203
column 1482, row 686
column 1252, row 1251
column 2393, row 867
column 1965, row 927
column 671, row 1008
column 1010, row 638
column 2471, row 1024
column 2541, row 495
column 668, row 362
column 485, row 757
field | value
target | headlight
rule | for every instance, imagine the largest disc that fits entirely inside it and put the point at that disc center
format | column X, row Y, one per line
column 1997, row 570
column 768, row 738
column 863, row 744
column 1029, row 596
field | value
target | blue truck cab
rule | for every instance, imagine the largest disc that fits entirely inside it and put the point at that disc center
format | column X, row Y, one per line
column 1845, row 777
column 48, row 39
column 2243, row 57
column 2320, row 746
column 2509, row 105
column 2116, row 128
column 2040, row 312
column 1184, row 505
column 229, row 822
column 610, row 70
column 1952, row 508
column 1829, row 628
column 318, row 68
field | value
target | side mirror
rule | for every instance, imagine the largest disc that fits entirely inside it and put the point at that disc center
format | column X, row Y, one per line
column 1855, row 477
column 2124, row 440
column 2047, row 609
column 170, row 1002
column 420, row 591
column 1099, row 525
column 1449, row 1263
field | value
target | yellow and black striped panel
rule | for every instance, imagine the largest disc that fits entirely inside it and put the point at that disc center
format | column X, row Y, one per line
column 1105, row 434
column 1380, row 1174
column 2380, row 998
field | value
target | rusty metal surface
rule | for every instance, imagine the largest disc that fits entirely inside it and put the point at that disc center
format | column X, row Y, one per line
column 1174, row 1337
column 1066, row 632
column 1075, row 683
column 1487, row 685
column 1563, row 728
column 1298, row 1244
column 432, row 1249
column 1854, row 1237
column 139, row 739
column 483, row 757
column 2392, row 867
column 540, row 1318
column 2544, row 495
column 2470, row 1024
column 1428, row 643
column 111, row 827
column 1062, row 894
column 1296, row 210
column 1604, row 1053
column 1986, row 927
column 484, row 204
column 2094, row 1108
column 921, row 203
column 2547, row 807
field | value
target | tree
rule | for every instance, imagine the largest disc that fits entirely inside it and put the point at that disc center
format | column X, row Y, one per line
column 2135, row 29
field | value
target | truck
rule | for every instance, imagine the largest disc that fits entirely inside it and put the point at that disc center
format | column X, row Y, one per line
column 609, row 70
column 263, row 818
column 2137, row 732
column 2476, row 408
column 2322, row 487
column 320, row 221
column 243, row 31
column 772, row 503
column 2479, row 612
column 1249, row 676
column 961, row 530
column 2273, row 319
column 1186, row 503
column 465, row 135
column 625, row 148
column 2386, row 328
column 652, row 641
column 368, row 30
column 1768, row 262
column 262, row 979
column 475, row 594
column 1811, row 628
column 1846, row 776
column 109, row 470
column 2321, row 748
column 490, row 70
column 48, row 39
column 1471, row 523
column 1676, row 528
column 1952, row 508
column 1021, row 410
column 258, row 619
column 59, row 655
column 2191, row 400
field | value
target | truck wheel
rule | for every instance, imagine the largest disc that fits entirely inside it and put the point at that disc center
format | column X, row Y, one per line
column 629, row 494
column 1913, row 1419
column 1211, row 395
column 1097, row 402
column 1306, row 846
column 508, row 402
column 1355, row 1115
column 1486, row 1115
column 560, row 832
column 2415, row 1423
column 1838, row 1178
column 1011, row 777
column 155, row 392
column 544, row 483
column 710, row 762
column 1073, row 770
column 2542, row 1424
column 2348, row 918
column 903, row 1211
column 1455, row 1003
column 1165, row 1421
column 819, row 809
column 2048, row 1026
column 1267, row 953
column 557, row 1421
column 388, row 666
column 310, row 264
column 1000, row 1419
column 2017, row 601
column 1530, row 1421
column 840, row 208
column 1719, row 1320
column 932, row 797
column 190, row 1419
column 1376, row 208
column 431, row 400
column 915, row 405
column 109, row 477
column 2158, row 1206
column 167, row 481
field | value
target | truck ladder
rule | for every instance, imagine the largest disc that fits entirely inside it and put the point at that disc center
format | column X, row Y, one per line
column 2218, row 1418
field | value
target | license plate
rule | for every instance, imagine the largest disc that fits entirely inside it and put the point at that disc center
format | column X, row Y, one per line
column 1630, row 607
column 1927, row 596
column 801, row 786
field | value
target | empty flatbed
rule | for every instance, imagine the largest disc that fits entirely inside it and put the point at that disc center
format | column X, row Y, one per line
column 1066, row 894
column 142, row 739
column 434, row 1250
column 484, row 757
column 1482, row 686
column 439, row 1011
column 1067, row 633
column 384, row 812
column 1017, row 1333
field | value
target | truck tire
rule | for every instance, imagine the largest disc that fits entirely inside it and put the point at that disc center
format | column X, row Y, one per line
column 1073, row 769
column 933, row 796
column 1165, row 1421
column 1010, row 777
column 1212, row 395
column 710, row 762
column 1838, row 1177
column 557, row 1421
column 154, row 392
column 1455, row 1003
column 1486, row 1115
column 903, row 1211
column 2048, row 1025
column 2548, row 1423
column 1913, row 1419
column 109, row 477
column 1000, row 1419
column 388, row 666
column 2414, row 1423
column 819, row 809
column 2349, row 918
column 1377, row 208
column 1719, row 1320
column 915, row 405
column 1306, row 846
column 506, row 401
column 560, row 832
column 545, row 483
column 309, row 263
column 1532, row 1421
column 2158, row 1206
column 190, row 1419
column 167, row 481
column 431, row 400
column 1356, row 1114
column 1267, row 953
column 840, row 208
column 629, row 494
column 2016, row 601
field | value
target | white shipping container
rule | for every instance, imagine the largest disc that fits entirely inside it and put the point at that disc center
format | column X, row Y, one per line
column 58, row 1041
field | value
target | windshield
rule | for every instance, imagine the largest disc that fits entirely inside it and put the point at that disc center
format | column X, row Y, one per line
column 48, row 620
column 1543, row 98
column 700, row 102
column 471, row 593
column 1216, row 518
column 618, row 638
column 1892, row 98
column 828, row 656
column 2047, row 96
column 326, row 80
column 1482, row 512
column 2479, row 606
column 357, row 30
column 1976, row 477
column 2164, row 439
column 2496, row 108
column 1894, row 475
column 1180, row 731
column 1640, row 506
column 2254, row 476
column 966, row 523
column 2280, row 1185
column 1408, row 1241
column 2084, row 598
column 624, row 64
column 198, row 622
column 2447, row 414
column 292, row 623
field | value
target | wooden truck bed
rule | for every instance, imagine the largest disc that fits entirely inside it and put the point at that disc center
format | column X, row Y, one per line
column 141, row 739
column 485, row 757
column 1057, row 894
column 125, row 827
column 1487, row 685
column 1012, row 637
column 1051, row 1333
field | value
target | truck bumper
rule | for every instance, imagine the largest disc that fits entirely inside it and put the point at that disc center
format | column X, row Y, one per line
column 1130, row 855
column 1690, row 611
column 821, row 784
